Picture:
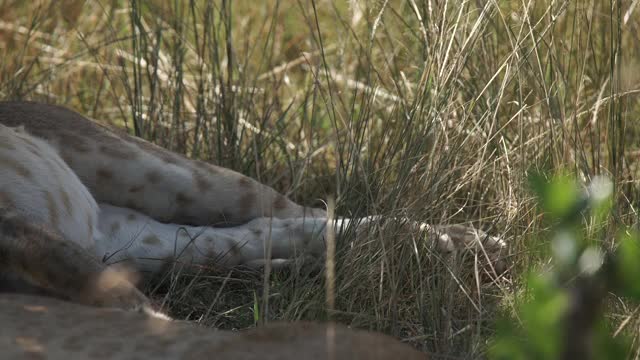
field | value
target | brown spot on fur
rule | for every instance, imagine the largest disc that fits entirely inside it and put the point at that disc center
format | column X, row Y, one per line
column 5, row 200
column 183, row 200
column 136, row 188
column 246, row 203
column 104, row 174
column 256, row 232
column 114, row 227
column 118, row 153
column 209, row 168
column 75, row 142
column 245, row 182
column 170, row 159
column 54, row 217
column 132, row 205
column 151, row 240
column 153, row 177
column 281, row 202
column 16, row 166
column 234, row 250
column 202, row 183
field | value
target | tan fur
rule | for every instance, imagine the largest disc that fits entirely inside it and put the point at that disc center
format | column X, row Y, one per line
column 76, row 197
column 92, row 333
column 95, row 151
column 39, row 256
column 125, row 200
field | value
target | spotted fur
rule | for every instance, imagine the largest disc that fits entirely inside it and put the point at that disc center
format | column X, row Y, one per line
column 77, row 199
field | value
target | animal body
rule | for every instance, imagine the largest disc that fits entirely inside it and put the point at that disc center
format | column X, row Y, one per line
column 78, row 201
column 46, row 328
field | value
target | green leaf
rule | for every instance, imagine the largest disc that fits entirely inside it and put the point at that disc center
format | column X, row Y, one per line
column 606, row 347
column 557, row 196
column 543, row 314
column 627, row 265
column 540, row 334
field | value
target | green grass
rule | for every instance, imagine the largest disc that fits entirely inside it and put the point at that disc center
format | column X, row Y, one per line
column 433, row 110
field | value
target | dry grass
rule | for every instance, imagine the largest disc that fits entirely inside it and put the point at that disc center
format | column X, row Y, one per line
column 433, row 110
